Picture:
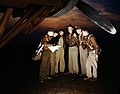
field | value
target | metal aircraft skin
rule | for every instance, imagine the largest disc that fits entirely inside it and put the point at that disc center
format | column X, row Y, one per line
column 33, row 12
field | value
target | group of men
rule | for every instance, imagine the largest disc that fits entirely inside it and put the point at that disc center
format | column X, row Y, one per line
column 53, row 46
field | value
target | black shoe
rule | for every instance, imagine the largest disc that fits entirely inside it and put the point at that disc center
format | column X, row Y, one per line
column 62, row 73
column 49, row 78
column 93, row 79
column 86, row 78
column 42, row 81
column 83, row 75
column 56, row 74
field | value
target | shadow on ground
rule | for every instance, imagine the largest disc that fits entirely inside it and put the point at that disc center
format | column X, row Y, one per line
column 19, row 74
column 70, row 84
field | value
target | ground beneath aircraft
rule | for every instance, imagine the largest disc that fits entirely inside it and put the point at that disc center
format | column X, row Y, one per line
column 70, row 84
column 19, row 74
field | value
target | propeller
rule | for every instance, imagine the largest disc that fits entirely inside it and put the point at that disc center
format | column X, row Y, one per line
column 90, row 12
column 95, row 17
column 68, row 7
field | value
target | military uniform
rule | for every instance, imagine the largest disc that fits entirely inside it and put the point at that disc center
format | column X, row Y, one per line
column 83, row 54
column 45, row 58
column 91, row 62
column 72, row 42
column 60, row 55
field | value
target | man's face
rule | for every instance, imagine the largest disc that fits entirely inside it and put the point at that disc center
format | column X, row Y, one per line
column 55, row 34
column 70, row 30
column 61, row 33
column 79, row 31
column 85, row 34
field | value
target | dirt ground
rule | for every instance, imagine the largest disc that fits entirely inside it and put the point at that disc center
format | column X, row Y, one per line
column 70, row 84
column 19, row 74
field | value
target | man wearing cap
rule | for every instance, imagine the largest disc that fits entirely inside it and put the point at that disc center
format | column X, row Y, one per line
column 45, row 56
column 51, row 45
column 47, row 66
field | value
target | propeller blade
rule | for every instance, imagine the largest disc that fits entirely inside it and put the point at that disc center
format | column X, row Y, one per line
column 96, row 17
column 67, row 8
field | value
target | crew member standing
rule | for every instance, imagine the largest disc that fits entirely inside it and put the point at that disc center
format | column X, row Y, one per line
column 60, row 52
column 72, row 41
column 92, row 60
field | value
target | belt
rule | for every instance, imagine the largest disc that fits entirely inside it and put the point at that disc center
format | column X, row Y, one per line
column 72, row 45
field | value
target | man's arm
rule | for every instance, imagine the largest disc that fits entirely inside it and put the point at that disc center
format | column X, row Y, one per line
column 96, row 46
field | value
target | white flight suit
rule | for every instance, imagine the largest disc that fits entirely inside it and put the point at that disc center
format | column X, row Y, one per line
column 91, row 62
column 83, row 57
